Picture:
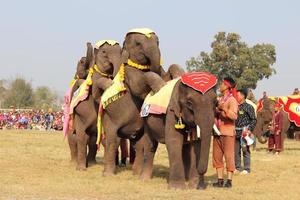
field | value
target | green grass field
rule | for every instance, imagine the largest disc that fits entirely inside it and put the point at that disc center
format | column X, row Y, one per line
column 35, row 165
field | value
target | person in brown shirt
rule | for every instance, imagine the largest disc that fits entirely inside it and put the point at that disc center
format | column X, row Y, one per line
column 223, row 144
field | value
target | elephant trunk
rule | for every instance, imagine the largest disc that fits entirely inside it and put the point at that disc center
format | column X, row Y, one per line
column 258, row 130
column 89, row 56
column 205, row 121
column 153, row 54
column 116, row 62
column 262, row 139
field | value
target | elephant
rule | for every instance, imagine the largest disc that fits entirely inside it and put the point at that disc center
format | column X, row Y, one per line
column 83, row 66
column 142, row 73
column 264, row 118
column 188, row 161
column 106, row 61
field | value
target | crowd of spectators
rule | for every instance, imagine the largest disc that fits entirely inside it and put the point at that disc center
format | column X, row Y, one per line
column 31, row 119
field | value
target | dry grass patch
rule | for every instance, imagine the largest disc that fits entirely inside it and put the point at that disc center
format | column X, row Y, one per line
column 35, row 165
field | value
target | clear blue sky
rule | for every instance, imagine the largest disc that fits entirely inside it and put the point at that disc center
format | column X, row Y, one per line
column 43, row 40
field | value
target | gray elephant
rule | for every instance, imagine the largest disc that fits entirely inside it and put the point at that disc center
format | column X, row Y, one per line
column 121, row 117
column 189, row 106
column 107, row 59
column 264, row 118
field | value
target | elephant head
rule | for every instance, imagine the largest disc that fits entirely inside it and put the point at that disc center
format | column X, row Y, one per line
column 194, row 107
column 143, row 48
column 108, row 56
column 264, row 117
column 85, row 62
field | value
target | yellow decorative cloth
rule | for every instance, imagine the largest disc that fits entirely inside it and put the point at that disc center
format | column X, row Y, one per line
column 157, row 103
column 145, row 31
column 102, row 42
column 115, row 91
column 82, row 92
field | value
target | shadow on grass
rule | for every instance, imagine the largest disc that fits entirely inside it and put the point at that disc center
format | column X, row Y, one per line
column 161, row 171
column 260, row 149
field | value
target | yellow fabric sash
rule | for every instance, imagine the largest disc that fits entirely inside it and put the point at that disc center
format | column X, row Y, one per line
column 100, row 72
column 115, row 91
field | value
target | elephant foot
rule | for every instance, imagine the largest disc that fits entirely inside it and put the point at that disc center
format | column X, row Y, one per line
column 73, row 161
column 145, row 177
column 107, row 173
column 92, row 162
column 177, row 185
column 193, row 184
column 201, row 184
column 136, row 172
column 81, row 168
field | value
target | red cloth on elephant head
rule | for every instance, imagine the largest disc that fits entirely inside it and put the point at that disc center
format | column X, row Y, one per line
column 200, row 81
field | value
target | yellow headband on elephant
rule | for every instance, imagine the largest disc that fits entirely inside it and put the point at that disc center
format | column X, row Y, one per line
column 102, row 42
column 145, row 31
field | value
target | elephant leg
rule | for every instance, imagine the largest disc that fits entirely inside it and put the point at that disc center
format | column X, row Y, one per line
column 194, row 158
column 150, row 147
column 82, row 141
column 186, row 156
column 154, row 81
column 91, row 157
column 73, row 147
column 189, row 161
column 139, row 157
column 111, row 147
column 202, row 151
column 131, row 153
column 174, row 142
column 297, row 135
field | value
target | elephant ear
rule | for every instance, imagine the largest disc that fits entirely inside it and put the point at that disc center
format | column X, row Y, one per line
column 125, row 55
column 174, row 105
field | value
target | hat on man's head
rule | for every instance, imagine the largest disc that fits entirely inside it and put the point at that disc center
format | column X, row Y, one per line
column 244, row 91
column 229, row 82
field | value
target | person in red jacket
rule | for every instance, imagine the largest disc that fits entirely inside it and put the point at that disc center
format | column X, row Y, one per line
column 224, row 144
column 275, row 143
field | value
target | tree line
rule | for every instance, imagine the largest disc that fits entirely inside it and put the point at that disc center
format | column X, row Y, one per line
column 230, row 56
column 19, row 93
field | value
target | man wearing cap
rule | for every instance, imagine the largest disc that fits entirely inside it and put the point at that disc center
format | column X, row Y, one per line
column 244, row 125
column 275, row 142
column 223, row 144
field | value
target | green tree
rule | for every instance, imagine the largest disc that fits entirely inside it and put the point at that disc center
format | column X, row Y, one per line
column 3, row 91
column 19, row 94
column 44, row 98
column 232, row 57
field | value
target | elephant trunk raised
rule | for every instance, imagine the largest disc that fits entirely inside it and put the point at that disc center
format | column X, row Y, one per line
column 153, row 55
column 116, row 61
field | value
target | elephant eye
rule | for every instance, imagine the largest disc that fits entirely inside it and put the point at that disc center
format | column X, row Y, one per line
column 189, row 105
column 138, row 43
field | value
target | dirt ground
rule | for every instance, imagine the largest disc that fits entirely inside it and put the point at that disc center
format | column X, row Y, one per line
column 35, row 165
